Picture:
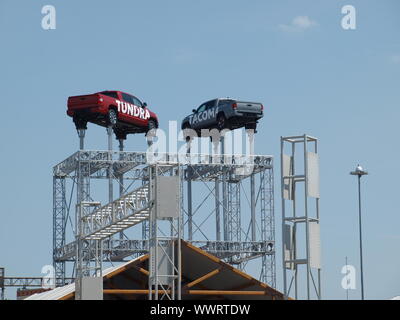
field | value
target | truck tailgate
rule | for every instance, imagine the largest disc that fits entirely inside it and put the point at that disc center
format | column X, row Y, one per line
column 249, row 107
column 77, row 102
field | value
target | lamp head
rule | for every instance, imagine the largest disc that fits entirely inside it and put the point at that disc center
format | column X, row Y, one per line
column 359, row 171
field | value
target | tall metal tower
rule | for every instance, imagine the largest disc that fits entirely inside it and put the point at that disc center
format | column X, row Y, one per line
column 300, row 215
column 165, row 232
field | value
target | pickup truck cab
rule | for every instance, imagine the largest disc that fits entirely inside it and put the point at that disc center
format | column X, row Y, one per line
column 123, row 111
column 224, row 113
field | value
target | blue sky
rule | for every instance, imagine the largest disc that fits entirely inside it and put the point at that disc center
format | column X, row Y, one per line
column 311, row 75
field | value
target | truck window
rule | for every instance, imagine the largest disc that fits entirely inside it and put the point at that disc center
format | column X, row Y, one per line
column 210, row 104
column 127, row 98
column 136, row 102
column 112, row 94
column 224, row 102
column 201, row 108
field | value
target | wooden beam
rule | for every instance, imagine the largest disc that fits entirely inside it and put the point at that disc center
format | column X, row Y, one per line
column 127, row 266
column 131, row 291
column 201, row 279
column 226, row 292
column 144, row 271
column 68, row 296
column 203, row 287
column 191, row 292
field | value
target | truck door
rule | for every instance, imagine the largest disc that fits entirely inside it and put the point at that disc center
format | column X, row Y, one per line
column 196, row 124
column 210, row 114
column 142, row 111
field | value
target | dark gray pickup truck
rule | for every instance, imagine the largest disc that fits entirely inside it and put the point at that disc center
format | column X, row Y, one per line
column 224, row 113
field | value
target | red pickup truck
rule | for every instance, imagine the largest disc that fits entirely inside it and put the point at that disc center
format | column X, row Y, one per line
column 124, row 112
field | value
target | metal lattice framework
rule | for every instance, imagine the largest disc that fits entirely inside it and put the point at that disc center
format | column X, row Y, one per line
column 59, row 220
column 224, row 180
column 300, row 216
column 165, row 232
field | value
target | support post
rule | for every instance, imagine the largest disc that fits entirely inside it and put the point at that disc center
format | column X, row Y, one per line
column 224, row 193
column 121, row 179
column 110, row 168
column 59, row 225
column 253, row 207
column 189, row 171
column 81, row 135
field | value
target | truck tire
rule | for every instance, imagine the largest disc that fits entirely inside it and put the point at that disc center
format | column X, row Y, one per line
column 186, row 134
column 151, row 125
column 112, row 117
column 222, row 122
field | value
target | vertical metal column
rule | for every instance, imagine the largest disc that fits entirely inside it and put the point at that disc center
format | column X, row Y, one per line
column 189, row 172
column 225, row 177
column 302, row 214
column 59, row 221
column 215, row 160
column 217, row 211
column 233, row 217
column 83, row 196
column 110, row 168
column 189, row 203
column 121, row 179
column 86, row 250
column 250, row 152
column 253, row 207
column 268, row 273
column 165, row 235
column 81, row 135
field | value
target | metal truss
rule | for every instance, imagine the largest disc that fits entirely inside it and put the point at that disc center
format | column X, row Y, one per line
column 268, row 271
column 59, row 221
column 225, row 178
column 29, row 282
column 242, row 241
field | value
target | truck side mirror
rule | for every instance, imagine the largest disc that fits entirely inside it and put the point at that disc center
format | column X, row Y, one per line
column 194, row 110
column 144, row 104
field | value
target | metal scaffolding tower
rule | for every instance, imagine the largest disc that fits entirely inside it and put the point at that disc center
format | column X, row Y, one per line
column 59, row 220
column 300, row 215
column 165, row 232
column 212, row 182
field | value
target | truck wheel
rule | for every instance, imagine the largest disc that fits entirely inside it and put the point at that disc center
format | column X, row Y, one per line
column 222, row 123
column 112, row 117
column 151, row 125
column 186, row 133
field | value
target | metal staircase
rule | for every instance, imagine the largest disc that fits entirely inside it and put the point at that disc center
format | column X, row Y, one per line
column 118, row 215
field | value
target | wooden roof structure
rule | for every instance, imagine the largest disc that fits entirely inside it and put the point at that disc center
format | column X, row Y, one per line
column 204, row 276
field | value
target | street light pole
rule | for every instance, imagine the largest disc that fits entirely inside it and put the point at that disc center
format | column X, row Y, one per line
column 359, row 172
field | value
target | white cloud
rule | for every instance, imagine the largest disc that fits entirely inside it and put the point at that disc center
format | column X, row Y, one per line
column 299, row 23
